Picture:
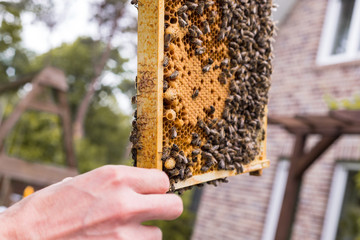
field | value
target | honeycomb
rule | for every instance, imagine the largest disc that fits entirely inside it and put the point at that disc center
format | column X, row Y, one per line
column 216, row 73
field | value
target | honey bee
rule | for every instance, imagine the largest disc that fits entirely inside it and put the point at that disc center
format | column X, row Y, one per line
column 166, row 61
column 191, row 5
column 173, row 173
column 195, row 94
column 209, row 4
column 174, row 75
column 195, row 152
column 197, row 30
column 212, row 110
column 175, row 148
column 183, row 23
column 167, row 40
column 206, row 27
column 206, row 68
column 239, row 167
column 134, row 154
column 225, row 62
column 200, row 8
column 135, row 3
column 212, row 17
column 200, row 51
column 195, row 135
column 204, row 168
column 173, row 133
column 165, row 154
column 221, row 35
column 234, row 45
column 207, row 130
column 165, row 86
column 182, row 9
column 197, row 41
column 185, row 16
column 221, row 165
column 225, row 22
column 201, row 123
column 227, row 158
column 133, row 100
column 192, row 33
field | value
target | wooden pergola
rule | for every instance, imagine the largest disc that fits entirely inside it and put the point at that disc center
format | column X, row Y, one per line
column 16, row 174
column 329, row 127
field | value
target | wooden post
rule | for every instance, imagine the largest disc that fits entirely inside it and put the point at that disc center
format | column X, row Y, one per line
column 67, row 129
column 300, row 162
column 5, row 191
column 291, row 191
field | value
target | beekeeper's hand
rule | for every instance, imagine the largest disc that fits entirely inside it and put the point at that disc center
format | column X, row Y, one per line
column 110, row 202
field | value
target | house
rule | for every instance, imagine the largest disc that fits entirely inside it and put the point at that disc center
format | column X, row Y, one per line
column 317, row 53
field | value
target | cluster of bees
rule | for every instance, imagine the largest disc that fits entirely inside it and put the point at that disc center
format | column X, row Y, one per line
column 233, row 139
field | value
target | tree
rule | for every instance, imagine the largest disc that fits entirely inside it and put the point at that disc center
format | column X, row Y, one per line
column 109, row 13
column 106, row 127
column 14, row 59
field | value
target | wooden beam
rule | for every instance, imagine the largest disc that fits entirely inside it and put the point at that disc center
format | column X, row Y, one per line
column 44, row 107
column 291, row 192
column 291, row 124
column 35, row 173
column 309, row 158
column 5, row 191
column 348, row 116
column 15, row 85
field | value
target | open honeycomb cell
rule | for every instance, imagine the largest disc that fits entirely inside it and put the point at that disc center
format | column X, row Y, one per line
column 203, row 79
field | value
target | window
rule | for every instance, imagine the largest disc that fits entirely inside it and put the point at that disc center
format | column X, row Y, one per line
column 276, row 200
column 340, row 40
column 342, row 220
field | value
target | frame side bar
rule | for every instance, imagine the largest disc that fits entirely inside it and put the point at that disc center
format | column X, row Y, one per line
column 150, row 82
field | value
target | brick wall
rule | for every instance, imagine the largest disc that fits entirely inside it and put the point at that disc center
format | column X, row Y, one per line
column 237, row 210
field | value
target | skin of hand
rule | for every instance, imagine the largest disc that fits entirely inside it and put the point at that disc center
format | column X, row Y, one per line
column 110, row 202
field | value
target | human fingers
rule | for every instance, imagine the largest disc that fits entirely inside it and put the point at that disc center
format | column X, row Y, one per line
column 141, row 180
column 158, row 207
column 148, row 181
column 139, row 232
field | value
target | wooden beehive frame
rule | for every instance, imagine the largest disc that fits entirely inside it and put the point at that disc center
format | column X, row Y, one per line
column 150, row 98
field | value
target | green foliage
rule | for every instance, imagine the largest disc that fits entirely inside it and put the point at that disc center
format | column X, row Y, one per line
column 106, row 141
column 37, row 136
column 181, row 228
column 14, row 59
column 349, row 104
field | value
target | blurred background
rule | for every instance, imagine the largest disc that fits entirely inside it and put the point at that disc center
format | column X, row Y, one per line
column 67, row 71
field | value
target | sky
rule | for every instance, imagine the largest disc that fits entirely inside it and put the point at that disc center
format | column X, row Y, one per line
column 73, row 18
